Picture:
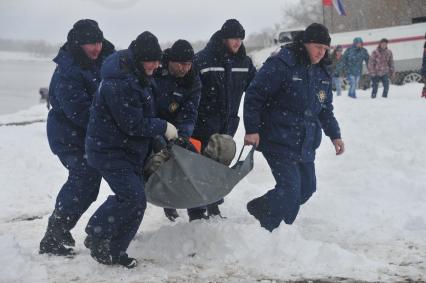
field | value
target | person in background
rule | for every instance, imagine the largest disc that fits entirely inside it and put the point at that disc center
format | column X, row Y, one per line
column 353, row 58
column 225, row 71
column 73, row 85
column 178, row 93
column 121, row 128
column 381, row 67
column 286, row 107
column 336, row 69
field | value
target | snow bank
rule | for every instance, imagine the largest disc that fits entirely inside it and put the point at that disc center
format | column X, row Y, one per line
column 367, row 220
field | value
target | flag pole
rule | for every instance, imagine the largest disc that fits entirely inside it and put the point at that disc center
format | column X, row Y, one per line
column 323, row 13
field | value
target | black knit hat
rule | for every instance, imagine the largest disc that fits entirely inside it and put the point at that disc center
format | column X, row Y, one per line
column 384, row 40
column 85, row 31
column 232, row 29
column 146, row 47
column 317, row 33
column 181, row 51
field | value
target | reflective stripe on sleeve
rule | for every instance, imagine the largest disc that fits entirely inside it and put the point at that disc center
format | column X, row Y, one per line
column 212, row 69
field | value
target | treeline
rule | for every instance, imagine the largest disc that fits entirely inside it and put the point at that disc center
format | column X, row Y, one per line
column 254, row 41
column 42, row 48
column 38, row 48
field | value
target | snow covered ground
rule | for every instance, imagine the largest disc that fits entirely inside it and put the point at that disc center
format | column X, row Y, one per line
column 367, row 221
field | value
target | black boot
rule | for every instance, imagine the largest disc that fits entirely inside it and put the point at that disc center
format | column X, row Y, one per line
column 125, row 260
column 56, row 237
column 197, row 215
column 252, row 208
column 68, row 240
column 213, row 210
column 61, row 224
column 171, row 214
column 99, row 249
column 259, row 209
column 49, row 245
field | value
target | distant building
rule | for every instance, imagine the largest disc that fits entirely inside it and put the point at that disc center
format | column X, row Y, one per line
column 369, row 14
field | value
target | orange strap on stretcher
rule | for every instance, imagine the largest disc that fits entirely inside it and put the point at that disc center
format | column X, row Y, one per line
column 196, row 143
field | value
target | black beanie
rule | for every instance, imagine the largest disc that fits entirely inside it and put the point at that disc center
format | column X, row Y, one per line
column 384, row 40
column 232, row 29
column 316, row 33
column 85, row 31
column 146, row 47
column 181, row 51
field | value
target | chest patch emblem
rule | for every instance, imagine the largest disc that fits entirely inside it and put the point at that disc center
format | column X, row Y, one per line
column 173, row 106
column 321, row 96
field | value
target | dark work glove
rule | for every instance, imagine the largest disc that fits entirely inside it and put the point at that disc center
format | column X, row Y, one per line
column 171, row 214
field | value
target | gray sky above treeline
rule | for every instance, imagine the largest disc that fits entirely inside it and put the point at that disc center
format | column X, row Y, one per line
column 123, row 20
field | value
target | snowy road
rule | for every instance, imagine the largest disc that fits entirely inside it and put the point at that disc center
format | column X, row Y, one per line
column 367, row 221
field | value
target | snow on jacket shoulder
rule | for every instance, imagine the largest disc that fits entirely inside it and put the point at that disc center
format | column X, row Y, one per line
column 122, row 118
column 224, row 79
column 288, row 103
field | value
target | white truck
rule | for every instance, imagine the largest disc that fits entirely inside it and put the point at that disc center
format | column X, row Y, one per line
column 405, row 42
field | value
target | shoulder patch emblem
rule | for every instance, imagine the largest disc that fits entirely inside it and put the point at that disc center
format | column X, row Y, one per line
column 173, row 106
column 321, row 96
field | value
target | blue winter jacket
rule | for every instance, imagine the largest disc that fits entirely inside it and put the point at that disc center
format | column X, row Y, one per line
column 177, row 99
column 288, row 103
column 71, row 91
column 224, row 78
column 353, row 58
column 122, row 117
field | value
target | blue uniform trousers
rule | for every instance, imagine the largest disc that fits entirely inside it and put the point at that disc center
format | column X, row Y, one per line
column 119, row 217
column 79, row 191
column 296, row 182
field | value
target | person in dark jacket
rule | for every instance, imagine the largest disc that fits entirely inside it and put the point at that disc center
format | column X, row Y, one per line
column 353, row 58
column 178, row 93
column 119, row 135
column 71, row 91
column 285, row 108
column 225, row 71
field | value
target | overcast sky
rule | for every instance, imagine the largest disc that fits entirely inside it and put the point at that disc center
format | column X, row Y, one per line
column 123, row 20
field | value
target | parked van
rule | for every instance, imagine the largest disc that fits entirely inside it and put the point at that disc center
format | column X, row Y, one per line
column 405, row 42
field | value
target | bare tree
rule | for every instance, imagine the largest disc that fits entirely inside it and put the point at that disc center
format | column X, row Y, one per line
column 302, row 14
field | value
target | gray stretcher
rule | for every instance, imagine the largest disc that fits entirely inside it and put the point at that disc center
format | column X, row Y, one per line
column 190, row 179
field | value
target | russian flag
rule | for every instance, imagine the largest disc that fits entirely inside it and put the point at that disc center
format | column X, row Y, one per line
column 338, row 4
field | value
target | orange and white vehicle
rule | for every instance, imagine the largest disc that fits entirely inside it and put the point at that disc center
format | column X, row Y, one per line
column 405, row 42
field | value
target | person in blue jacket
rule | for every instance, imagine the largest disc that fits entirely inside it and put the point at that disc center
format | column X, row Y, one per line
column 351, row 64
column 121, row 127
column 225, row 71
column 73, row 84
column 285, row 108
column 178, row 93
